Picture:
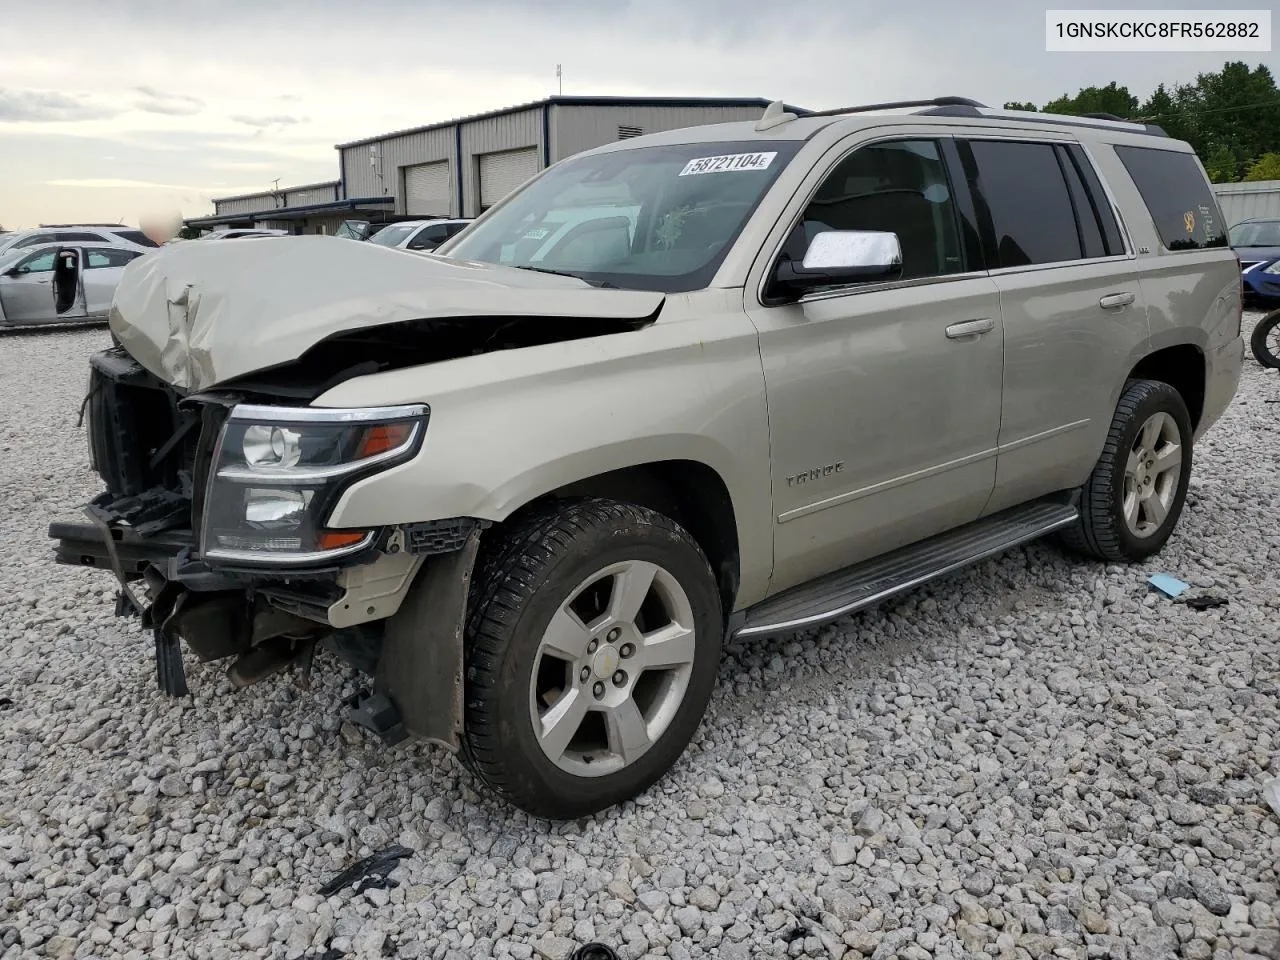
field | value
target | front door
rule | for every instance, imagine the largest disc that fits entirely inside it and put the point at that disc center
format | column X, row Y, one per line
column 884, row 399
column 26, row 291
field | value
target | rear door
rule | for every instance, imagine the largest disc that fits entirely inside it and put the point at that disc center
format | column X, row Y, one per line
column 103, row 267
column 1074, row 318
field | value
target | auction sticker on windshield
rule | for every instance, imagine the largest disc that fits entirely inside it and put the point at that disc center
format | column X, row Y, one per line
column 733, row 161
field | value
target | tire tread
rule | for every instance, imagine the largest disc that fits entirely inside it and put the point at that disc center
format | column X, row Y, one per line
column 509, row 573
column 1096, row 534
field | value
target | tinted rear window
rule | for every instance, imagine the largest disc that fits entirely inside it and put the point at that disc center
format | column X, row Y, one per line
column 138, row 237
column 1031, row 210
column 1177, row 196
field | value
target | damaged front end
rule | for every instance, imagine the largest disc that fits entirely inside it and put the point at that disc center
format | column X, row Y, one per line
column 213, row 523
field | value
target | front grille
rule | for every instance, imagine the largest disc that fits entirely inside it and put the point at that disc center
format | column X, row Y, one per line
column 131, row 417
column 141, row 444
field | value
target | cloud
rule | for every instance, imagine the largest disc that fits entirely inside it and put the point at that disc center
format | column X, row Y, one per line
column 170, row 104
column 276, row 120
column 47, row 106
column 114, row 183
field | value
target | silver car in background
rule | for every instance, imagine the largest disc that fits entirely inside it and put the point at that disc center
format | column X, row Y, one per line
column 87, row 277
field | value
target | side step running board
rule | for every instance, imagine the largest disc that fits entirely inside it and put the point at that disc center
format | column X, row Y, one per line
column 841, row 593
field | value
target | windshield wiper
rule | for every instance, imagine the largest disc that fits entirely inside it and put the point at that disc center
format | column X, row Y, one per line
column 603, row 284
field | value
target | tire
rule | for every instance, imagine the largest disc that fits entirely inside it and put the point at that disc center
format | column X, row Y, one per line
column 1105, row 530
column 1265, row 341
column 566, row 562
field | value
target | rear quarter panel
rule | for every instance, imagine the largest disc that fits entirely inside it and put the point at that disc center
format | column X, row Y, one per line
column 1192, row 297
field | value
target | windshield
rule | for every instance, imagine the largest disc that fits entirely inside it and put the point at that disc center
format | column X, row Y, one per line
column 353, row 230
column 392, row 235
column 648, row 218
column 1259, row 233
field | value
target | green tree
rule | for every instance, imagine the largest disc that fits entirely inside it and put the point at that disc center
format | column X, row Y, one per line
column 1109, row 99
column 1266, row 167
column 1015, row 105
column 1222, row 165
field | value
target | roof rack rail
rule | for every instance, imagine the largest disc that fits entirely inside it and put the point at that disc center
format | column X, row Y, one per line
column 1104, row 116
column 901, row 104
column 63, row 226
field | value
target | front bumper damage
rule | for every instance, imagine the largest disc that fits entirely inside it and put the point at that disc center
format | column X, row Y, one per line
column 395, row 610
column 398, row 618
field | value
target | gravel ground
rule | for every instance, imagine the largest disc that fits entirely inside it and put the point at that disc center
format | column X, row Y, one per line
column 1034, row 759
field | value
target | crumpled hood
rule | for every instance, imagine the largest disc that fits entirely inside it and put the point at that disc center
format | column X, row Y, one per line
column 197, row 314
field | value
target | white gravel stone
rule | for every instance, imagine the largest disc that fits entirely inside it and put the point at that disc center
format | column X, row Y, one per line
column 1032, row 758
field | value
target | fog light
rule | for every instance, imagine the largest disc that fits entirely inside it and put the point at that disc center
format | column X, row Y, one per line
column 270, row 446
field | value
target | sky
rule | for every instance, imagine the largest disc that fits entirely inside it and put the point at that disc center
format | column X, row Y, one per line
column 113, row 112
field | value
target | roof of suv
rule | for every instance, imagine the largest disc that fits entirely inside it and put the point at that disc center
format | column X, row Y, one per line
column 953, row 112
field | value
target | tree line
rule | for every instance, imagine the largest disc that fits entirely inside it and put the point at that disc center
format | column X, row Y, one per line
column 1231, row 118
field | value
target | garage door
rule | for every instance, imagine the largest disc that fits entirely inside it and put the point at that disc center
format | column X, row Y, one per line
column 426, row 189
column 500, row 173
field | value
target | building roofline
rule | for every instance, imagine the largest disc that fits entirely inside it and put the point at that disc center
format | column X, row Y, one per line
column 282, row 190
column 292, row 213
column 570, row 101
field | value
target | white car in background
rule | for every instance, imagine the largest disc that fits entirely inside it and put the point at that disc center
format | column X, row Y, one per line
column 243, row 233
column 86, row 280
column 418, row 234
column 117, row 235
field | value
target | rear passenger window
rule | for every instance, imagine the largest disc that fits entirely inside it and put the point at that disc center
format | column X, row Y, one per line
column 138, row 237
column 1031, row 210
column 72, row 237
column 1098, row 196
column 1178, row 197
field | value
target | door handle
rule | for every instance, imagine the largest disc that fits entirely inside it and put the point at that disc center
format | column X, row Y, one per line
column 970, row 328
column 1114, row 301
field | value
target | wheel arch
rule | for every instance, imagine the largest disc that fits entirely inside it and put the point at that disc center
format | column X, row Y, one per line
column 1183, row 366
column 690, row 492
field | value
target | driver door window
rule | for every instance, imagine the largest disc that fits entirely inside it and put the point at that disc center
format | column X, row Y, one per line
column 900, row 187
column 428, row 238
column 41, row 263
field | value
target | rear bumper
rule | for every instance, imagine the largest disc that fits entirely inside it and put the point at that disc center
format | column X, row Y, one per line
column 1225, row 366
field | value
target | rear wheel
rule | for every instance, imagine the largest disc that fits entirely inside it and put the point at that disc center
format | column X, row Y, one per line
column 1265, row 341
column 594, row 642
column 1133, row 499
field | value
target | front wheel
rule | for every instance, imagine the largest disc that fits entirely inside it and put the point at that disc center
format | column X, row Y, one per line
column 1133, row 498
column 594, row 642
column 1265, row 341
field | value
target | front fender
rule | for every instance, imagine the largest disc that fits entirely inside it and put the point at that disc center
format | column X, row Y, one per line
column 509, row 427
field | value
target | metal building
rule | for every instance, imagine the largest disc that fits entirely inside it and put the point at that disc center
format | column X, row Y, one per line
column 1249, row 200
column 462, row 167
column 309, row 208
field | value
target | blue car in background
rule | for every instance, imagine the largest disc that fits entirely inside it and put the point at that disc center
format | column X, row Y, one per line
column 1257, row 244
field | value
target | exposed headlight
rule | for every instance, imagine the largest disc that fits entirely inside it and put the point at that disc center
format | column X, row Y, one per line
column 1274, row 268
column 279, row 470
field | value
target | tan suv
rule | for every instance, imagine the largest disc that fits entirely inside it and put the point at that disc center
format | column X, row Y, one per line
column 778, row 371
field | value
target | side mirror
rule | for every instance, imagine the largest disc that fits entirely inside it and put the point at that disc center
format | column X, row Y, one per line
column 838, row 257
